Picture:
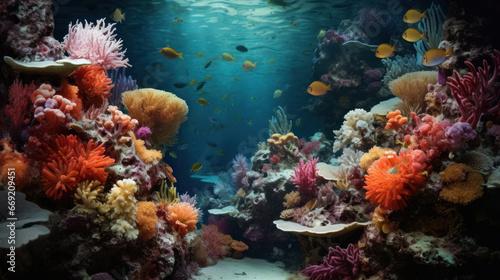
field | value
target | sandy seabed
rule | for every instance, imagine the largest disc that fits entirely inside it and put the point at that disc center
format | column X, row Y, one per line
column 246, row 268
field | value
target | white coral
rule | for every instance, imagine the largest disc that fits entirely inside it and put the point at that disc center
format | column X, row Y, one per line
column 123, row 206
column 357, row 126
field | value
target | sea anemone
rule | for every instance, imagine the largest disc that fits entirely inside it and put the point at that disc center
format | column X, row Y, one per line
column 391, row 180
column 182, row 217
column 94, row 85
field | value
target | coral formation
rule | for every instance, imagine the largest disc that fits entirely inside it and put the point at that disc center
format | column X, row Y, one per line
column 339, row 264
column 123, row 208
column 462, row 184
column 146, row 220
column 412, row 88
column 182, row 217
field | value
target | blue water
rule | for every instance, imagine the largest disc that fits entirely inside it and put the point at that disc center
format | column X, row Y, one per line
column 270, row 32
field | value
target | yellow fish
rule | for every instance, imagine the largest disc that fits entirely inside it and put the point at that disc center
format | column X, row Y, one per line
column 249, row 65
column 318, row 88
column 117, row 15
column 321, row 34
column 202, row 101
column 297, row 121
column 228, row 57
column 250, row 123
column 224, row 97
column 196, row 167
column 253, row 98
column 220, row 152
column 170, row 53
column 398, row 142
column 277, row 93
column 236, row 79
column 414, row 16
column 217, row 110
column 435, row 57
column 197, row 132
column 385, row 50
column 192, row 82
column 173, row 154
column 208, row 77
column 414, row 35
column 199, row 54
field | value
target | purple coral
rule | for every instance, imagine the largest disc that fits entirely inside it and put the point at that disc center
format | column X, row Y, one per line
column 240, row 169
column 96, row 43
column 340, row 264
column 474, row 91
column 335, row 37
column 143, row 133
column 459, row 133
column 305, row 179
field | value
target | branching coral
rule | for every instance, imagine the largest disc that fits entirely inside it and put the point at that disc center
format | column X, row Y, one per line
column 161, row 111
column 94, row 85
column 395, row 120
column 96, row 43
column 305, row 179
column 122, row 203
column 182, row 217
column 70, row 161
column 340, row 264
column 19, row 99
column 89, row 197
column 281, row 140
column 475, row 92
column 356, row 129
column 412, row 88
column 462, row 184
column 280, row 123
column 392, row 180
column 146, row 220
column 240, row 169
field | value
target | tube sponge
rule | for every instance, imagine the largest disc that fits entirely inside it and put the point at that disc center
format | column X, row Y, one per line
column 161, row 111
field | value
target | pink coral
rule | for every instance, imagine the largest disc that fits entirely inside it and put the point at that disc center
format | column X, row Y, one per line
column 19, row 99
column 275, row 159
column 474, row 91
column 305, row 179
column 119, row 121
column 240, row 169
column 309, row 147
column 51, row 109
column 213, row 242
column 428, row 136
column 96, row 43
column 340, row 264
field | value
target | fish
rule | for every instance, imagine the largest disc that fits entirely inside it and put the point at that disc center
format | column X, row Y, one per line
column 208, row 77
column 227, row 57
column 217, row 110
column 173, row 154
column 249, row 65
column 202, row 101
column 297, row 121
column 318, row 88
column 398, row 142
column 192, row 82
column 196, row 167
column 212, row 120
column 220, row 152
column 179, row 84
column 199, row 54
column 170, row 53
column 200, row 85
column 241, row 48
column 197, row 132
column 272, row 61
column 414, row 35
column 117, row 15
column 385, row 50
column 177, row 19
column 435, row 57
column 253, row 98
column 250, row 123
column 277, row 93
column 224, row 97
column 236, row 79
column 414, row 16
column 211, row 144
column 321, row 34
column 293, row 23
column 208, row 63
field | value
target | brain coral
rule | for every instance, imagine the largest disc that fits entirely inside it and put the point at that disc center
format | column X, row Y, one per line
column 391, row 180
column 161, row 111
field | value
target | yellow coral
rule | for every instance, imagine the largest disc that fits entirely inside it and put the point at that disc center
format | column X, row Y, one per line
column 462, row 184
column 373, row 154
column 146, row 220
column 162, row 112
column 147, row 156
column 122, row 203
column 380, row 220
column 88, row 198
column 412, row 88
column 287, row 214
column 278, row 139
column 292, row 199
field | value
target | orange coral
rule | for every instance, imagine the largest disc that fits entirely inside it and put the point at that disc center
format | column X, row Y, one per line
column 15, row 161
column 238, row 247
column 292, row 199
column 391, row 180
column 147, row 156
column 462, row 184
column 169, row 173
column 183, row 217
column 119, row 119
column 395, row 120
column 70, row 92
column 68, row 162
column 94, row 85
column 380, row 220
column 373, row 154
column 278, row 139
column 146, row 219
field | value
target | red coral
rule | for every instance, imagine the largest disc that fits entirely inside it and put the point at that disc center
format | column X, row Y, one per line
column 213, row 243
column 70, row 92
column 275, row 159
column 19, row 99
column 94, row 85
column 305, row 179
column 429, row 136
column 69, row 162
column 391, row 180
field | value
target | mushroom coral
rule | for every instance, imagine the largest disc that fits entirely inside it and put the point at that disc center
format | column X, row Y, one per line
column 391, row 180
column 182, row 217
column 462, row 184
column 238, row 247
column 161, row 111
